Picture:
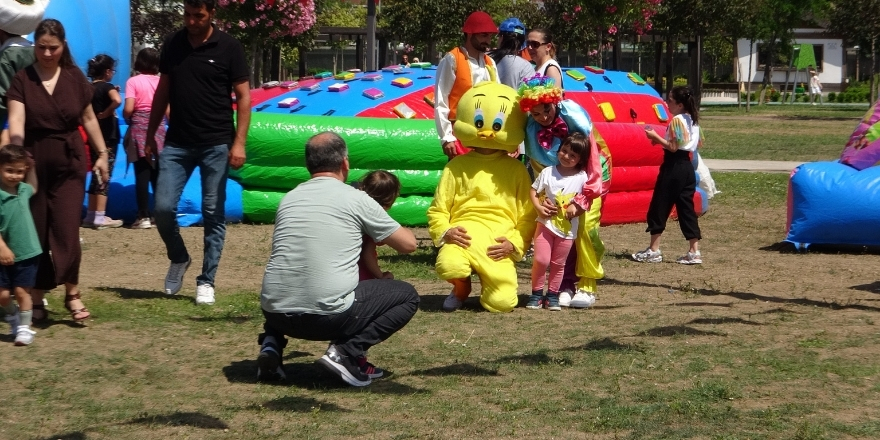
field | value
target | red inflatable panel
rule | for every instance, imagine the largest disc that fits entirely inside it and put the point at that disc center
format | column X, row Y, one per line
column 625, row 207
column 414, row 100
column 624, row 105
column 629, row 178
column 628, row 144
column 632, row 207
column 258, row 96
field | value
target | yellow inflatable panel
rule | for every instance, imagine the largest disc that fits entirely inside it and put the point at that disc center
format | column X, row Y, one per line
column 607, row 111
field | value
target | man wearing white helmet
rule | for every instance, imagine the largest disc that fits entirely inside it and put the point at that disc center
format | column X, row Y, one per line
column 17, row 18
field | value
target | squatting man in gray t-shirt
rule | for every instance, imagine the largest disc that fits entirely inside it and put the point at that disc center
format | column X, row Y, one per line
column 311, row 289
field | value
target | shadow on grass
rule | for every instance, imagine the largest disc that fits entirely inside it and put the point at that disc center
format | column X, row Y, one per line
column 126, row 293
column 67, row 436
column 423, row 258
column 434, row 303
column 297, row 404
column 532, row 359
column 235, row 319
column 456, row 370
column 748, row 296
column 676, row 330
column 778, row 310
column 702, row 304
column 309, row 375
column 785, row 247
column 724, row 321
column 870, row 287
column 606, row 344
column 194, row 419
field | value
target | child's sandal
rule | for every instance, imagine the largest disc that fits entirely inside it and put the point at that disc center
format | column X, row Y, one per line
column 76, row 314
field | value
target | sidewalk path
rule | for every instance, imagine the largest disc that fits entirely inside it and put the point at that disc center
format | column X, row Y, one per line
column 762, row 166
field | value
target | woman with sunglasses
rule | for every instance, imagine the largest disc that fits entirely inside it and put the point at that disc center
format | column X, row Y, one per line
column 542, row 51
column 551, row 119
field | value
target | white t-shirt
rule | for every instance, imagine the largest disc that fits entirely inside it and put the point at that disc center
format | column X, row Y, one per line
column 562, row 189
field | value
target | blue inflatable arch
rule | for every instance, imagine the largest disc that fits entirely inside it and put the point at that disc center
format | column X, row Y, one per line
column 96, row 26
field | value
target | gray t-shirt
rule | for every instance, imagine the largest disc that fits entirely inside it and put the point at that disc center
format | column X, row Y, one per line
column 316, row 245
column 512, row 69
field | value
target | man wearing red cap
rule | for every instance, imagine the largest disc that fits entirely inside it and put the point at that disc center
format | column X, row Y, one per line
column 458, row 71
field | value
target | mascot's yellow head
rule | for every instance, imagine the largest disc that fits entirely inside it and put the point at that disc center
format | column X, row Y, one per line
column 488, row 116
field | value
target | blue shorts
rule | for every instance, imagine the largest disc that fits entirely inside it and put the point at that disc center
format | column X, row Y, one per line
column 20, row 274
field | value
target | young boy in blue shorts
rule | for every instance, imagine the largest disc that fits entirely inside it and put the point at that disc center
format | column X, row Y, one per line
column 19, row 245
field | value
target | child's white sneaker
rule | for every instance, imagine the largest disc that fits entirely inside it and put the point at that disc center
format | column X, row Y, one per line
column 24, row 336
column 690, row 258
column 648, row 256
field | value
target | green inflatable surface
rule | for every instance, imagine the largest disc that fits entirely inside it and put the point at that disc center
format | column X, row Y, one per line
column 276, row 159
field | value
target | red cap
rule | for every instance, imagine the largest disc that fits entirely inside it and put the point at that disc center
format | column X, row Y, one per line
column 479, row 23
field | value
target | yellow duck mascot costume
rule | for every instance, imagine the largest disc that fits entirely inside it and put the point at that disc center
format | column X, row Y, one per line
column 481, row 217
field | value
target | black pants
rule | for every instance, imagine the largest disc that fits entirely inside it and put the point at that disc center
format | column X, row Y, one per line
column 145, row 174
column 380, row 309
column 675, row 186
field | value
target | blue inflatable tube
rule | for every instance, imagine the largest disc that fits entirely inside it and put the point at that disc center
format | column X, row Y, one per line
column 832, row 203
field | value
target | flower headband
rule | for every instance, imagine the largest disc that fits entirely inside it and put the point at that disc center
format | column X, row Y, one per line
column 538, row 90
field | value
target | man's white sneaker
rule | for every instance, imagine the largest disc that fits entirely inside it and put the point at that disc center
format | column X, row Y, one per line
column 452, row 303
column 204, row 295
column 174, row 279
column 582, row 300
column 24, row 336
column 648, row 256
column 565, row 298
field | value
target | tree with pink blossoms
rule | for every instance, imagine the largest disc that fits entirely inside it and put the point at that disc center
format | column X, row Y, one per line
column 594, row 26
column 265, row 26
column 265, row 20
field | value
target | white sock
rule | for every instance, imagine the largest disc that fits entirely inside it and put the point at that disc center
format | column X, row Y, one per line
column 99, row 218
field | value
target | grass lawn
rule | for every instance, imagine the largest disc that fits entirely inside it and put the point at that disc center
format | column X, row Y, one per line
column 753, row 344
column 778, row 132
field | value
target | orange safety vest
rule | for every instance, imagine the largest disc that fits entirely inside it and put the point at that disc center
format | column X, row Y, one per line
column 463, row 81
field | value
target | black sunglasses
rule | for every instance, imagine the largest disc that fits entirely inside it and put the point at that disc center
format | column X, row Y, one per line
column 534, row 44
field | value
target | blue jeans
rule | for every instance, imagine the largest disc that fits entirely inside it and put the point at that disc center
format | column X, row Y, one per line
column 176, row 165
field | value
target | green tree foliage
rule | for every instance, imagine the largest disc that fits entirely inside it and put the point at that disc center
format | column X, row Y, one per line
column 858, row 21
column 426, row 24
column 151, row 20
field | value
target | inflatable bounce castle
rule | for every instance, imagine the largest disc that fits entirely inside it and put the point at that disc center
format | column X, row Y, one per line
column 386, row 117
column 838, row 203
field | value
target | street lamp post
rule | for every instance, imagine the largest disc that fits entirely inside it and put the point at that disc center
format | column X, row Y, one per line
column 856, row 47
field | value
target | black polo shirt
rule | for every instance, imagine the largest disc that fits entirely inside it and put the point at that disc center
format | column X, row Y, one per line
column 201, row 87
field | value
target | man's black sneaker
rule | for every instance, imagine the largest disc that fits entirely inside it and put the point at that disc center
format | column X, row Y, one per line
column 345, row 367
column 269, row 366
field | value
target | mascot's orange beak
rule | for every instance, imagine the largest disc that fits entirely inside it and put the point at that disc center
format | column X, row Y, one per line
column 486, row 135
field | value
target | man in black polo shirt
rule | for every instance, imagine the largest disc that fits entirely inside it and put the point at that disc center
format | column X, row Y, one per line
column 201, row 67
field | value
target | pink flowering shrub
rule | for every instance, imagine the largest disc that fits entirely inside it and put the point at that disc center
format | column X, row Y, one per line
column 262, row 19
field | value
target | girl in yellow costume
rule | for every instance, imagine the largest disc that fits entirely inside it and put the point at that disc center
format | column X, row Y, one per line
column 481, row 216
column 551, row 120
